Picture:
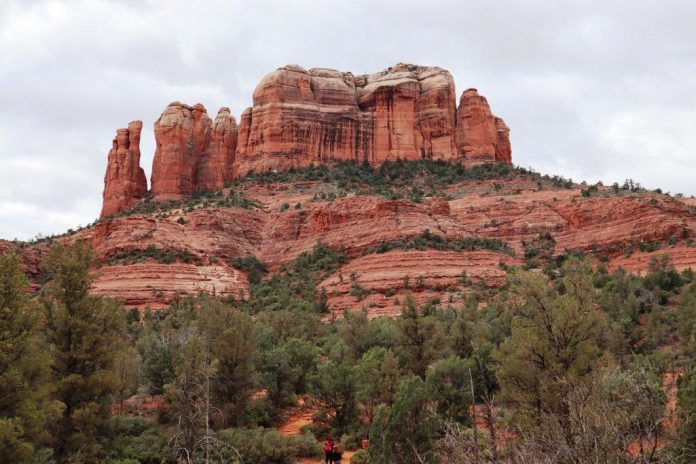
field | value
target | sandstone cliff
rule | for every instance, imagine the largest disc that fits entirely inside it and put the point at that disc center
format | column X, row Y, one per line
column 409, row 112
column 124, row 181
column 301, row 117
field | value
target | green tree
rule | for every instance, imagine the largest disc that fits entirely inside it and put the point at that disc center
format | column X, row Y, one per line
column 234, row 352
column 335, row 389
column 406, row 431
column 162, row 353
column 418, row 340
column 555, row 341
column 22, row 365
column 84, row 333
column 377, row 374
column 449, row 383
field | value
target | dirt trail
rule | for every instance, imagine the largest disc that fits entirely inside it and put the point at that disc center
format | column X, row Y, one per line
column 293, row 425
column 302, row 416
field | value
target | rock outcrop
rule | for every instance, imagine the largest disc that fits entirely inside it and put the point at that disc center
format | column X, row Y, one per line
column 481, row 137
column 514, row 210
column 215, row 167
column 407, row 112
column 301, row 117
column 124, row 182
column 182, row 135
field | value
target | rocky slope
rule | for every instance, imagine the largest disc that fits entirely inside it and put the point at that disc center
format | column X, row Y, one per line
column 301, row 117
column 280, row 220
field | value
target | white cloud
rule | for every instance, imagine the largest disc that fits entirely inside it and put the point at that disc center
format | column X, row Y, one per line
column 591, row 89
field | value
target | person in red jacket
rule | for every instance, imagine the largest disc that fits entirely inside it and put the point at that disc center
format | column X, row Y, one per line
column 328, row 450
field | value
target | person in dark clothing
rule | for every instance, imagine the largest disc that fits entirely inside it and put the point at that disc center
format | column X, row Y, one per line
column 328, row 451
column 337, row 454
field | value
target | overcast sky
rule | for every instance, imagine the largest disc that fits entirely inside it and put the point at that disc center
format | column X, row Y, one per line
column 593, row 90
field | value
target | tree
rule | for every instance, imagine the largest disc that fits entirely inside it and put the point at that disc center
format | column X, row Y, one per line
column 84, row 333
column 234, row 351
column 555, row 341
column 22, row 365
column 162, row 352
column 405, row 432
column 335, row 389
column 377, row 374
column 448, row 381
column 190, row 397
column 417, row 341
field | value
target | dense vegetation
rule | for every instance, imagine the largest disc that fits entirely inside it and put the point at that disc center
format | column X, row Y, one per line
column 566, row 366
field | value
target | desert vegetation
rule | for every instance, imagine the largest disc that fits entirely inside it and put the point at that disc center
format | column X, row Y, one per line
column 569, row 365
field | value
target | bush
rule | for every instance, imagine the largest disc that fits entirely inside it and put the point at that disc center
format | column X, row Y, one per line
column 268, row 446
column 252, row 267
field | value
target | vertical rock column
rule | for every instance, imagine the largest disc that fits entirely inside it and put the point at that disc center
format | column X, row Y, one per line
column 215, row 167
column 124, row 182
column 182, row 134
column 481, row 137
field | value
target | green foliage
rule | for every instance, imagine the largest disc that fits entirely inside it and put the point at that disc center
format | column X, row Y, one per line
column 22, row 366
column 134, row 439
column 252, row 267
column 419, row 341
column 335, row 389
column 210, row 198
column 449, row 381
column 84, row 333
column 556, row 337
column 393, row 179
column 137, row 255
column 161, row 357
column 295, row 288
column 268, row 446
column 428, row 240
column 234, row 351
column 406, row 431
column 686, row 422
column 377, row 378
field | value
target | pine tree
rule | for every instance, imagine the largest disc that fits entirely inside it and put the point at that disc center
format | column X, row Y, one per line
column 84, row 332
column 22, row 366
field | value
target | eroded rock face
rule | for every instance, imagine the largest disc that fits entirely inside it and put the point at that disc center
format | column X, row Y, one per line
column 215, row 166
column 481, row 137
column 303, row 116
column 124, row 182
column 182, row 135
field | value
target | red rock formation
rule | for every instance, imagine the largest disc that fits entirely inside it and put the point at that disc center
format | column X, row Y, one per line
column 481, row 137
column 182, row 135
column 302, row 117
column 124, row 181
column 515, row 211
column 215, row 166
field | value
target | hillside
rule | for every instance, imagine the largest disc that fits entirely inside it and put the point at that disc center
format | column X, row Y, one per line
column 479, row 220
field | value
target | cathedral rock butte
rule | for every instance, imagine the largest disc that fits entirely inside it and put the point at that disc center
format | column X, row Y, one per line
column 301, row 117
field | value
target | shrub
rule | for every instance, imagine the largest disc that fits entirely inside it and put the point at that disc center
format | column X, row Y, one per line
column 252, row 267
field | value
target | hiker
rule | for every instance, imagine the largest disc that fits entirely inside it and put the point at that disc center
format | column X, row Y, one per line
column 337, row 454
column 328, row 450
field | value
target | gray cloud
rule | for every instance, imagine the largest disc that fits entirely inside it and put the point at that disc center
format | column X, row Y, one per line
column 596, row 90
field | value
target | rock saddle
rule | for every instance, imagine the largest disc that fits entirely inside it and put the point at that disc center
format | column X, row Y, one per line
column 301, row 117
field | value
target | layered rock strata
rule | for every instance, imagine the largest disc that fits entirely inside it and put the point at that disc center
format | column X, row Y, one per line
column 301, row 117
